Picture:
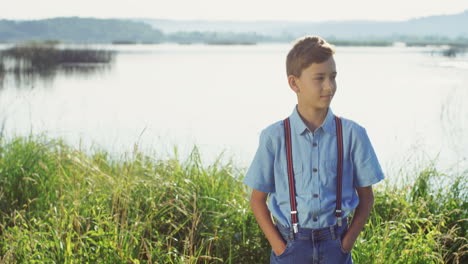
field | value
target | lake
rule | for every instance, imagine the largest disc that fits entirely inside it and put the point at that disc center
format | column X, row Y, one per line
column 410, row 99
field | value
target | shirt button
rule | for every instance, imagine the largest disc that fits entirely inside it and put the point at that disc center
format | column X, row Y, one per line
column 315, row 195
column 314, row 170
column 315, row 144
column 315, row 219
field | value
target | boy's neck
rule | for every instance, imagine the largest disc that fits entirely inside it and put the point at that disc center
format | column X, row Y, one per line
column 313, row 118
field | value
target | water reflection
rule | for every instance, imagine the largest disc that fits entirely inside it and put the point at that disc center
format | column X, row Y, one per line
column 27, row 66
column 30, row 78
column 451, row 51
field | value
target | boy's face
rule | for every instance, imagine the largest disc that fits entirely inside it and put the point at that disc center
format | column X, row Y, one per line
column 316, row 86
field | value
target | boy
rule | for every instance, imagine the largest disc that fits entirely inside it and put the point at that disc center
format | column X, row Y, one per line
column 314, row 167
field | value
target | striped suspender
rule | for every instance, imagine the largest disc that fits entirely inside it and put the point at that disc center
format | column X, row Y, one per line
column 292, row 191
column 339, row 170
column 289, row 159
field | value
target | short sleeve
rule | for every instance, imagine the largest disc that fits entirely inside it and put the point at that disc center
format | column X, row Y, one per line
column 260, row 175
column 367, row 170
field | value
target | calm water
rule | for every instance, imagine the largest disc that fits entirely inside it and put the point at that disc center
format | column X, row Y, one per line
column 220, row 97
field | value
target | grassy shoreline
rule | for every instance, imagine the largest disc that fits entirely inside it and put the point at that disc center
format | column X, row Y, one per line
column 60, row 205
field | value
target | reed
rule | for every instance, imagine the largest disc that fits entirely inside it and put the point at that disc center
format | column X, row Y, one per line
column 48, row 56
column 454, row 51
column 61, row 205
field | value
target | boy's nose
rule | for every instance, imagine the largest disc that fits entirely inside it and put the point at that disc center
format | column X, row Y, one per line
column 329, row 86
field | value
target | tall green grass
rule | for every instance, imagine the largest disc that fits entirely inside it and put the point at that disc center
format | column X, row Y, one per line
column 60, row 205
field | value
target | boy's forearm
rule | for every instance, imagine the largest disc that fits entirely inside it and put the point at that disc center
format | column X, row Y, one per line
column 262, row 214
column 366, row 201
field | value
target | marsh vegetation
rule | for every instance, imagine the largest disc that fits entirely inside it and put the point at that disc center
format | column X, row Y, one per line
column 61, row 205
column 43, row 56
column 44, row 60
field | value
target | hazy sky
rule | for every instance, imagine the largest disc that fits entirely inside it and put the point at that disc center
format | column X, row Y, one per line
column 306, row 10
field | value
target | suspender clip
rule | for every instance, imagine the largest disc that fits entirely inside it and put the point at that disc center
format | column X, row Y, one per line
column 295, row 228
column 340, row 220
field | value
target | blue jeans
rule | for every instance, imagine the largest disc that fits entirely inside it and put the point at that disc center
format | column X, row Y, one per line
column 313, row 246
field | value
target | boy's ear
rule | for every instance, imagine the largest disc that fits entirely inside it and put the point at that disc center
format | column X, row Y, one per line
column 292, row 80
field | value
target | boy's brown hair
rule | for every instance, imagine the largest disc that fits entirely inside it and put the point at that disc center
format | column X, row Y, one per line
column 307, row 50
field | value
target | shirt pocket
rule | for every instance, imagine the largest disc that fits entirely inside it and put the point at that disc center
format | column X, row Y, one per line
column 330, row 177
column 298, row 169
column 282, row 178
column 299, row 181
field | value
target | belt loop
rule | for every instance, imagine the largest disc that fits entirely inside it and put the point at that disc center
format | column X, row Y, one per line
column 291, row 234
column 332, row 232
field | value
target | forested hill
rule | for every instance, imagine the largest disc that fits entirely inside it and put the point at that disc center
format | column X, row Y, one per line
column 74, row 29
column 91, row 30
column 444, row 29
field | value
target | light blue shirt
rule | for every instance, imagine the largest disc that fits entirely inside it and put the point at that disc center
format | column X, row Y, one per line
column 315, row 165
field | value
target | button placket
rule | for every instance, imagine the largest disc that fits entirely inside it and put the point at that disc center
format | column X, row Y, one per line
column 314, row 148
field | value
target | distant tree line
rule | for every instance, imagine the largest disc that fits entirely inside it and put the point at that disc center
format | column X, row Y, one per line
column 91, row 30
column 78, row 30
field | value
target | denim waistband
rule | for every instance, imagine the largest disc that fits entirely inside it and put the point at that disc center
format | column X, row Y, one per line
column 319, row 234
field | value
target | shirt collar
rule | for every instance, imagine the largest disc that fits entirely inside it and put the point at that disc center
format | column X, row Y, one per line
column 300, row 127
